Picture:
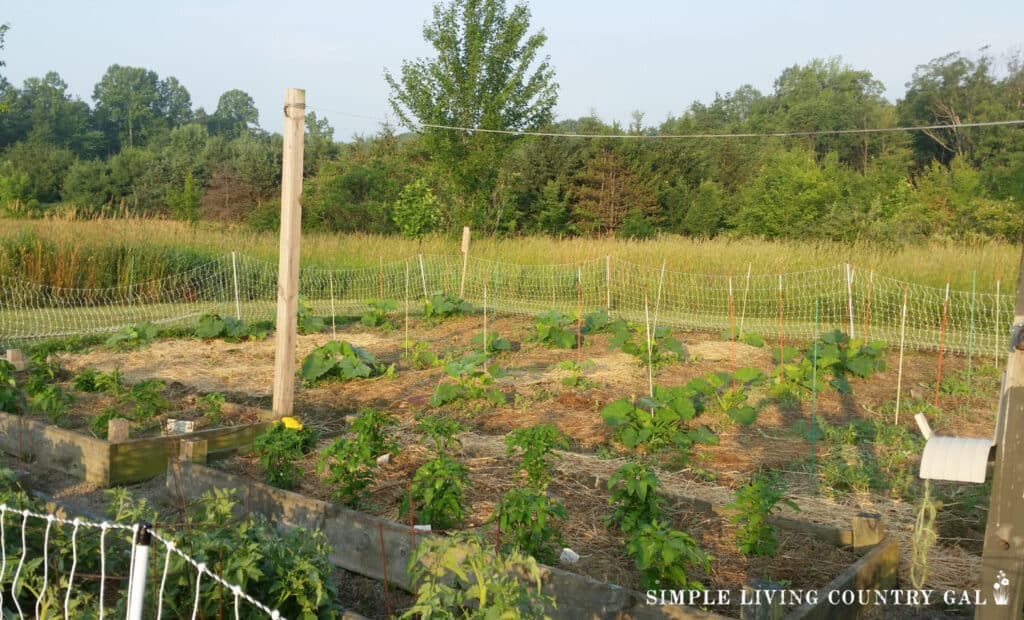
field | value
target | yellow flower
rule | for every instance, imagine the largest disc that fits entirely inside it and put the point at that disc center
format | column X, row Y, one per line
column 290, row 422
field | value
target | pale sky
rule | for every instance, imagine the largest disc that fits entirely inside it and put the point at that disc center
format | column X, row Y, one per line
column 610, row 57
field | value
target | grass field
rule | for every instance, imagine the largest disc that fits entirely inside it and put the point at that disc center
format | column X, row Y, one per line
column 98, row 253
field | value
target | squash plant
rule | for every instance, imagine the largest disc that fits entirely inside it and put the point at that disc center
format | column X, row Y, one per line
column 664, row 349
column 555, row 329
column 228, row 328
column 727, row 393
column 472, row 381
column 495, row 343
column 658, row 422
column 441, row 306
column 377, row 315
column 341, row 361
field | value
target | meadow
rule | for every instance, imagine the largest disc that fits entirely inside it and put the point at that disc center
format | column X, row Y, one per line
column 106, row 252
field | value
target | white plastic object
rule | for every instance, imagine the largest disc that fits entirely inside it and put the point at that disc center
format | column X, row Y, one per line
column 959, row 459
column 568, row 556
column 384, row 459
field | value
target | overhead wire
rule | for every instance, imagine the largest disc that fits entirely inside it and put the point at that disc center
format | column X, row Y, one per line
column 693, row 136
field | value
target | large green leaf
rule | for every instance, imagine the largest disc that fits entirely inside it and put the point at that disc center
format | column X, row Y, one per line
column 317, row 364
column 745, row 415
column 617, row 413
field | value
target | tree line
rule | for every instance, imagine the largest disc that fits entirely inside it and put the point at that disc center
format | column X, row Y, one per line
column 141, row 148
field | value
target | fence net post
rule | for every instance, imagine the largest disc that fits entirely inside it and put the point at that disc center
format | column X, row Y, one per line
column 137, row 573
column 234, row 272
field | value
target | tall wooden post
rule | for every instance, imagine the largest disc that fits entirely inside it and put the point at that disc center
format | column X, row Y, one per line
column 1002, row 564
column 465, row 260
column 288, row 257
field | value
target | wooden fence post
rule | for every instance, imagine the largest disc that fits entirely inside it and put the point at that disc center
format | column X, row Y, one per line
column 288, row 257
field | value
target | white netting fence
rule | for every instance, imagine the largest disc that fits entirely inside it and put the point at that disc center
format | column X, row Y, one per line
column 842, row 297
column 74, row 568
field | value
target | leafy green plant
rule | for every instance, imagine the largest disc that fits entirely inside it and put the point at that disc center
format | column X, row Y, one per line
column 440, row 431
column 755, row 501
column 53, row 402
column 43, row 369
column 577, row 378
column 537, row 443
column 350, row 464
column 147, row 399
column 278, row 448
column 751, row 338
column 666, row 557
column 98, row 424
column 461, row 576
column 833, row 357
column 473, row 381
column 528, row 519
column 371, row 428
column 727, row 393
column 212, row 405
column 228, row 328
column 377, row 315
column 555, row 329
column 132, row 337
column 664, row 349
column 442, row 306
column 85, row 380
column 634, row 493
column 596, row 322
column 438, row 491
column 495, row 343
column 341, row 361
column 438, row 485
column 655, row 423
column 305, row 321
column 10, row 397
column 420, row 356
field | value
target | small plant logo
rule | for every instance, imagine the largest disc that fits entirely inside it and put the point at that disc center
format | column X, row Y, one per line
column 1000, row 589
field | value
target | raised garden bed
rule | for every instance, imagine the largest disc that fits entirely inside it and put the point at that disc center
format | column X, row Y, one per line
column 381, row 548
column 107, row 463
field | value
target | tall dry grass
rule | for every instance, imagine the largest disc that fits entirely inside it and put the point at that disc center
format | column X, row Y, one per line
column 97, row 253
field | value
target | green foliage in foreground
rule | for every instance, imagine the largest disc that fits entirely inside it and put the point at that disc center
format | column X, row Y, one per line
column 460, row 576
column 279, row 448
column 288, row 570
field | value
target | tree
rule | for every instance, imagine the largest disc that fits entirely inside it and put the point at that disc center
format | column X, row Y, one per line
column 236, row 114
column 486, row 75
column 184, row 204
column 605, row 193
column 950, row 90
column 135, row 105
column 417, row 212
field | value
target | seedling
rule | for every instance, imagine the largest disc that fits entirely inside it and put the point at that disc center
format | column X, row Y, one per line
column 634, row 493
column 576, row 379
column 537, row 443
column 665, row 556
column 527, row 518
